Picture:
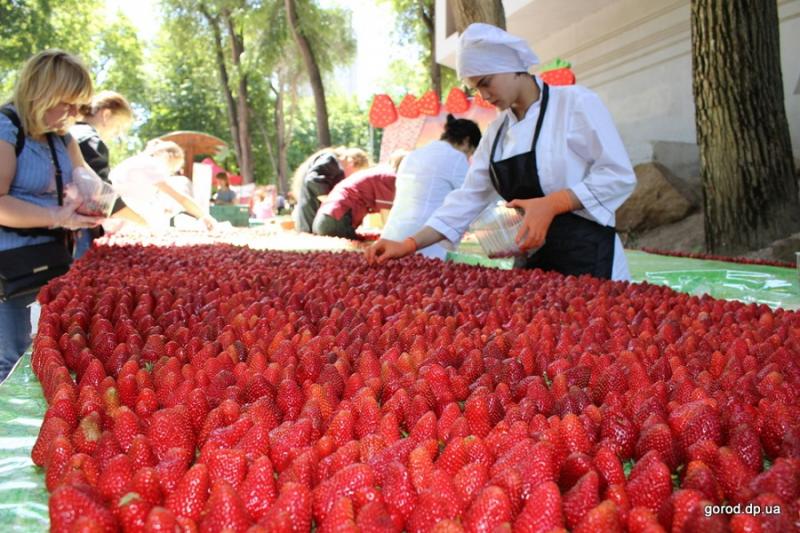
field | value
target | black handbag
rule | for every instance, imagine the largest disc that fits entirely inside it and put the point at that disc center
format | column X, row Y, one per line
column 26, row 269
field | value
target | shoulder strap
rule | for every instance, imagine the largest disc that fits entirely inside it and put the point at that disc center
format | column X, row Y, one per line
column 14, row 118
column 59, row 179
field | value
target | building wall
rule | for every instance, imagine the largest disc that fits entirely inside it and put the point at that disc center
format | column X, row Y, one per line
column 636, row 54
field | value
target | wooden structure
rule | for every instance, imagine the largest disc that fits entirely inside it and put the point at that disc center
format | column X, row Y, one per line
column 194, row 143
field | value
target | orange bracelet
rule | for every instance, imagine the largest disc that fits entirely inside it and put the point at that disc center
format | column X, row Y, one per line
column 410, row 241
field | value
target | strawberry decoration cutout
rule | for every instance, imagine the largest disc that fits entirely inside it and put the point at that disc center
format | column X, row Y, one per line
column 429, row 104
column 409, row 107
column 561, row 76
column 457, row 101
column 382, row 112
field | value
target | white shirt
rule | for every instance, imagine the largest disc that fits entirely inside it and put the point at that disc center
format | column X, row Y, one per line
column 579, row 148
column 136, row 181
column 424, row 179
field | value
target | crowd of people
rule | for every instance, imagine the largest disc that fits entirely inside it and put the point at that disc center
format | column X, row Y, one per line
column 552, row 152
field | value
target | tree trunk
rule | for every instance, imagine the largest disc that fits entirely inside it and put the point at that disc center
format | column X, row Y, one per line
column 245, row 142
column 746, row 164
column 230, row 104
column 282, row 142
column 465, row 12
column 314, row 75
column 427, row 12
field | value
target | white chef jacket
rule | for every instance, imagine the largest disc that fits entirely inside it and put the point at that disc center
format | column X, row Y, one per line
column 424, row 179
column 136, row 180
column 578, row 148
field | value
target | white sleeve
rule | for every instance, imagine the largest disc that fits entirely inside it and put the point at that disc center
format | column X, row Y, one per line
column 463, row 205
column 609, row 179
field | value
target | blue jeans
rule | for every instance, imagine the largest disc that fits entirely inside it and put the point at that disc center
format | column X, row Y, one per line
column 15, row 331
column 83, row 241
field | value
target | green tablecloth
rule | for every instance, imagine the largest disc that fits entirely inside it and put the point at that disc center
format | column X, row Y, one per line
column 23, row 498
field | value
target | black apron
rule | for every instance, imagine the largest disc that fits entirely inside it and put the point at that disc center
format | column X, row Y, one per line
column 573, row 245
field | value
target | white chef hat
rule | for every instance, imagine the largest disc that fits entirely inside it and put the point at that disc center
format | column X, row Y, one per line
column 485, row 49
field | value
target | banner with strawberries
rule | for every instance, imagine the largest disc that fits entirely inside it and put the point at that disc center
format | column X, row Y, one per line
column 557, row 72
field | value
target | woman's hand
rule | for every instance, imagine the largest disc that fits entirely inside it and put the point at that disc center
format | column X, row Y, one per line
column 66, row 217
column 384, row 249
column 210, row 222
column 539, row 214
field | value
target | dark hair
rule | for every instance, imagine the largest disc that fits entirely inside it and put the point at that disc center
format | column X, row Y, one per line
column 458, row 129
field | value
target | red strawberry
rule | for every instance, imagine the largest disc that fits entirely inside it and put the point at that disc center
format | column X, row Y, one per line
column 229, row 466
column 258, row 490
column 160, row 520
column 291, row 511
column 191, row 493
column 408, row 107
column 658, row 437
column 171, row 469
column 609, row 467
column 341, row 518
column 457, row 101
column 68, row 503
column 115, row 478
column 341, row 427
column 574, row 468
column 733, row 476
column 677, row 511
column 60, row 453
column 542, row 511
column 476, row 412
column 381, row 113
column 88, row 433
column 145, row 484
column 604, row 518
column 398, row 491
column 373, row 517
column 782, row 479
column 430, row 509
column 650, row 484
column 698, row 476
column 581, row 498
column 345, row 482
column 131, row 511
column 573, row 435
column 643, row 520
column 141, row 453
column 490, row 509
column 170, row 429
column 126, row 427
column 429, row 104
column 744, row 441
column 224, row 511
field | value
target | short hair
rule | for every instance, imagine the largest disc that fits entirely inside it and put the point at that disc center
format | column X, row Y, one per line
column 46, row 80
column 173, row 152
column 113, row 101
column 458, row 129
column 357, row 157
column 221, row 176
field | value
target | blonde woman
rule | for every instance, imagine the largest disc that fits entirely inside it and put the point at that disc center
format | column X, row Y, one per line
column 146, row 183
column 108, row 116
column 34, row 150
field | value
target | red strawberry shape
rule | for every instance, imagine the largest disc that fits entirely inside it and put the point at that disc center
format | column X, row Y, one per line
column 382, row 112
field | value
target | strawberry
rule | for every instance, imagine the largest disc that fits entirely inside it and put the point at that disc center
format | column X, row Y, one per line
column 650, row 483
column 345, row 482
column 490, row 509
column 131, row 511
column 430, row 509
column 190, row 494
column 291, row 511
column 408, row 107
column 658, row 437
column 229, row 466
column 604, row 517
column 258, row 490
column 171, row 469
column 573, row 435
column 542, row 511
column 145, row 484
column 373, row 517
column 141, row 453
column 398, row 491
column 643, row 520
column 698, row 476
column 88, row 432
column 170, row 429
column 476, row 412
column 782, row 479
column 609, row 467
column 457, row 101
column 453, row 457
column 68, row 503
column 581, row 498
column 744, row 441
column 619, row 433
column 224, row 511
column 733, row 476
column 60, row 453
column 679, row 508
column 382, row 111
column 126, row 427
column 341, row 518
column 160, row 520
column 429, row 104
column 115, row 478
column 575, row 466
column 341, row 427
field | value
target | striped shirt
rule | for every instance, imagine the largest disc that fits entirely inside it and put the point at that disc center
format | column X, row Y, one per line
column 35, row 178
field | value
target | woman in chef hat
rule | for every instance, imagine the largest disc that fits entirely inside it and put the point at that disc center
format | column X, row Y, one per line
column 554, row 152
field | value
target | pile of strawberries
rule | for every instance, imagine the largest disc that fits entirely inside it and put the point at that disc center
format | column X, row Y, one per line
column 218, row 388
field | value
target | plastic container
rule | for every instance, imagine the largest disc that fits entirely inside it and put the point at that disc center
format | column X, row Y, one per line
column 237, row 215
column 96, row 197
column 496, row 227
